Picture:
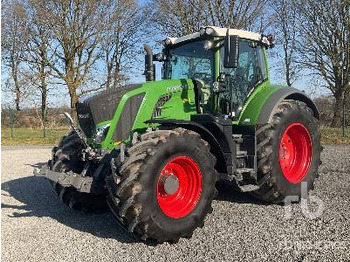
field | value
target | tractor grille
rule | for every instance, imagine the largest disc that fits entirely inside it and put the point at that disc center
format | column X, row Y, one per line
column 86, row 122
column 100, row 107
column 127, row 118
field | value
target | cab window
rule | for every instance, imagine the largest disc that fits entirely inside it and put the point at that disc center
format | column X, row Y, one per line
column 250, row 72
column 191, row 60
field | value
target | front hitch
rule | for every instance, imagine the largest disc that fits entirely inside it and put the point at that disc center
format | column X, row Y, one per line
column 80, row 183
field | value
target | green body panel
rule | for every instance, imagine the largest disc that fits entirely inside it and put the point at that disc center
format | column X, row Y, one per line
column 217, row 63
column 215, row 102
column 180, row 106
column 255, row 102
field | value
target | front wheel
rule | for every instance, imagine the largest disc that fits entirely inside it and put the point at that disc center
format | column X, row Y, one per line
column 165, row 188
column 66, row 157
column 288, row 151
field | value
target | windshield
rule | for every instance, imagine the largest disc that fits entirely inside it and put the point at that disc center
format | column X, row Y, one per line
column 191, row 60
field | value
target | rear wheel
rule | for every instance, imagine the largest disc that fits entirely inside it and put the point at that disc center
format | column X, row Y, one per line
column 165, row 188
column 288, row 152
column 295, row 152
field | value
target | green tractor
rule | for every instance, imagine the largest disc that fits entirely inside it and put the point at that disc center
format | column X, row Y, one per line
column 153, row 152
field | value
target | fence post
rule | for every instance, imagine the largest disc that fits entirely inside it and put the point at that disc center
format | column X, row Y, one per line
column 344, row 121
column 12, row 121
column 44, row 122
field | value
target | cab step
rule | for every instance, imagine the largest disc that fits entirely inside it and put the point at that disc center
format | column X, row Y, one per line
column 246, row 179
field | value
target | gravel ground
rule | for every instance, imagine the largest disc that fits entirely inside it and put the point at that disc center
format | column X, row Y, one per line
column 37, row 227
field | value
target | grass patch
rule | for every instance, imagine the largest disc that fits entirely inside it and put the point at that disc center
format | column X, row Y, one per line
column 333, row 136
column 28, row 136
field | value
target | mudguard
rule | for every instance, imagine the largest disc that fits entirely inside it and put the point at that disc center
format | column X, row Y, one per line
column 277, row 97
column 263, row 100
column 218, row 147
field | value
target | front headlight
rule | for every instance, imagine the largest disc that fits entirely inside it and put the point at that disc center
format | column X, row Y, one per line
column 101, row 133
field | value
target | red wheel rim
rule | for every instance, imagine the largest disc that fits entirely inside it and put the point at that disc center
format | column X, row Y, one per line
column 295, row 152
column 179, row 187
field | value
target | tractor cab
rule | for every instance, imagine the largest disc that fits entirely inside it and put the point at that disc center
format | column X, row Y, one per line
column 226, row 65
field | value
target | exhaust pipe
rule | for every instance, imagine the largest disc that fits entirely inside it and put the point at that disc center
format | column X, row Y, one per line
column 149, row 66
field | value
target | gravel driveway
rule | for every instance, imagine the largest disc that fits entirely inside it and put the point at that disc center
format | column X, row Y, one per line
column 37, row 227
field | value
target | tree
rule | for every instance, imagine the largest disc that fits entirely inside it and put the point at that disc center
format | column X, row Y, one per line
column 285, row 26
column 325, row 45
column 177, row 17
column 14, row 37
column 84, row 45
column 77, row 29
column 121, row 39
column 36, row 56
column 236, row 14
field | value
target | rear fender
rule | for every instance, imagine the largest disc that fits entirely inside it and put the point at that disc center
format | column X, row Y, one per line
column 277, row 97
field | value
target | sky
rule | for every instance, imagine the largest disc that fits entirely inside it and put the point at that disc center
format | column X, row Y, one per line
column 59, row 98
column 62, row 98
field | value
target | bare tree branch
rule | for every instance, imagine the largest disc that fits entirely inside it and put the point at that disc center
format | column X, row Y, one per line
column 325, row 45
column 14, row 37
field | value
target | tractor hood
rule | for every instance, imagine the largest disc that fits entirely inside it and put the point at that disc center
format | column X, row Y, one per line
column 100, row 107
column 118, row 112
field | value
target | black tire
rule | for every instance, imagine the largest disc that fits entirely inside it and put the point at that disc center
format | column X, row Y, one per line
column 274, row 187
column 133, row 197
column 67, row 157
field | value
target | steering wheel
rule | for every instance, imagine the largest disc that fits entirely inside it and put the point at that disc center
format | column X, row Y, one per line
column 204, row 91
column 202, row 76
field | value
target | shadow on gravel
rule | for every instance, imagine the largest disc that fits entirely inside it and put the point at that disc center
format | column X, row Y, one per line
column 227, row 192
column 37, row 200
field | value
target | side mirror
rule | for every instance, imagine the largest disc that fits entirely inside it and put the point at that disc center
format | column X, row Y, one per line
column 231, row 51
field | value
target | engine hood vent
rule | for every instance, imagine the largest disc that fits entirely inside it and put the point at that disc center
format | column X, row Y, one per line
column 100, row 107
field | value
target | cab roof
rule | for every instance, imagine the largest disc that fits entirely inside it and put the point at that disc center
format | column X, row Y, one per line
column 220, row 32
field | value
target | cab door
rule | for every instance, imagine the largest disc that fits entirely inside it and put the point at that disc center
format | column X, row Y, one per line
column 241, row 81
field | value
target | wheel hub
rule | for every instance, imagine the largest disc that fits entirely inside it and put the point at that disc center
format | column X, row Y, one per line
column 170, row 183
column 179, row 187
column 295, row 152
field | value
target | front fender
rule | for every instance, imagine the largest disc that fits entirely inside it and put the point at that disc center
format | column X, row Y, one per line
column 218, row 148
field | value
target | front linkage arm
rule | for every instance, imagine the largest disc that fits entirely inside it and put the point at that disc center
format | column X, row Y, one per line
column 70, row 179
column 76, row 129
